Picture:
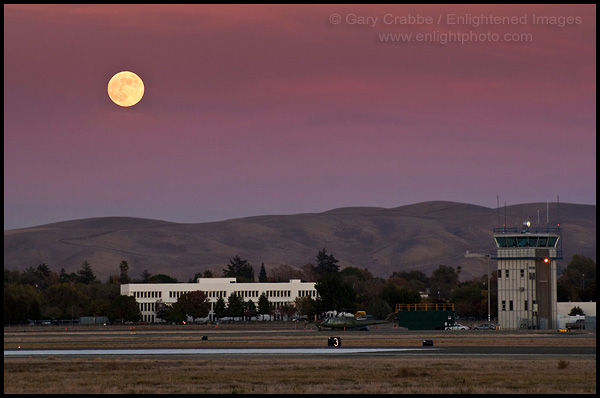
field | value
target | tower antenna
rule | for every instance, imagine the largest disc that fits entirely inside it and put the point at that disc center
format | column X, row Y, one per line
column 557, row 211
column 498, row 210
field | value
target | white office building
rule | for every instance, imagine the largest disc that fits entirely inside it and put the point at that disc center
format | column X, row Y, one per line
column 278, row 293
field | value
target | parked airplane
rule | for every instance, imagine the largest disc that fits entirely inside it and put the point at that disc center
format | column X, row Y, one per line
column 356, row 323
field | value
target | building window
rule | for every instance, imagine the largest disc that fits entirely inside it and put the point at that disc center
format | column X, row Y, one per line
column 510, row 305
column 522, row 273
column 503, row 305
column 499, row 273
column 526, row 306
column 506, row 273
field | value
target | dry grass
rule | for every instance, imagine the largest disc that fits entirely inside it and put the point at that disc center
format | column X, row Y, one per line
column 381, row 375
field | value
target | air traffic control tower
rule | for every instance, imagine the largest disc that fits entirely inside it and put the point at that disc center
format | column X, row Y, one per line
column 527, row 276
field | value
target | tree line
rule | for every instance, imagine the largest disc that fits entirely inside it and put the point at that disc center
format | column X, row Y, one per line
column 40, row 293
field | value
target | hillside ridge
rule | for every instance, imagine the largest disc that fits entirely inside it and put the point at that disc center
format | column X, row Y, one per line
column 419, row 236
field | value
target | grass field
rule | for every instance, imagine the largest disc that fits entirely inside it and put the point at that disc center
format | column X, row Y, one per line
column 363, row 374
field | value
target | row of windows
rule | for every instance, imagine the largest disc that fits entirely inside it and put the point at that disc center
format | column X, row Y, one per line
column 157, row 294
column 522, row 273
column 247, row 293
column 209, row 294
column 526, row 241
column 511, row 307
column 243, row 293
column 307, row 293
column 148, row 318
column 223, row 294
column 278, row 293
column 146, row 306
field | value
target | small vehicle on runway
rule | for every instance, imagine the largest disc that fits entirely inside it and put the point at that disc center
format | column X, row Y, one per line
column 457, row 326
column 486, row 326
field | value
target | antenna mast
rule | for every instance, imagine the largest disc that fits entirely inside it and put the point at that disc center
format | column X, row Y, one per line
column 498, row 210
column 557, row 211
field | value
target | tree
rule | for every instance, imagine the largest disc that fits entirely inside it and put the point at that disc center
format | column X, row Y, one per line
column 235, row 306
column 309, row 272
column 124, row 308
column 12, row 276
column 171, row 313
column 85, row 274
column 21, row 302
column 263, row 305
column 63, row 277
column 32, row 276
column 145, row 276
column 239, row 269
column 206, row 274
column 67, row 301
column 355, row 273
column 399, row 295
column 161, row 309
column 304, row 305
column 326, row 263
column 220, row 308
column 44, row 275
column 284, row 272
column 262, row 275
column 161, row 278
column 124, row 267
column 100, row 296
column 578, row 280
column 44, row 270
column 469, row 300
column 363, row 283
column 417, row 280
column 379, row 308
column 195, row 278
column 334, row 293
column 251, row 310
column 576, row 311
column 175, row 313
column 288, row 310
column 442, row 281
column 194, row 304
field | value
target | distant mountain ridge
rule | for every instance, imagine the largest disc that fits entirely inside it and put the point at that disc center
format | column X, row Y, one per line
column 419, row 236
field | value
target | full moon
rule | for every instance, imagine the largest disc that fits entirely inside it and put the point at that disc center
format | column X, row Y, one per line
column 125, row 88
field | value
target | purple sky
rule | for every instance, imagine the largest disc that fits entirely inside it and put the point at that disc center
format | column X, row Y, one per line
column 253, row 110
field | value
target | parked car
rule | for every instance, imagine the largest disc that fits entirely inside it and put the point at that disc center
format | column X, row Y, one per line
column 486, row 326
column 457, row 326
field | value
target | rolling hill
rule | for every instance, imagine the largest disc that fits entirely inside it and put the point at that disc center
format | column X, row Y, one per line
column 420, row 236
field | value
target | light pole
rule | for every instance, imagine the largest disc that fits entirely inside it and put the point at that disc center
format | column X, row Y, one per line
column 488, row 256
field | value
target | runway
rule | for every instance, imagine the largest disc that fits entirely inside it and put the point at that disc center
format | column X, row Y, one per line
column 280, row 341
column 579, row 352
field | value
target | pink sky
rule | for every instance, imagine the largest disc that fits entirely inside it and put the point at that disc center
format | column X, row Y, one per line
column 253, row 110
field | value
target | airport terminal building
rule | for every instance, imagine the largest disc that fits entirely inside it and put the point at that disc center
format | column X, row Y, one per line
column 278, row 293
